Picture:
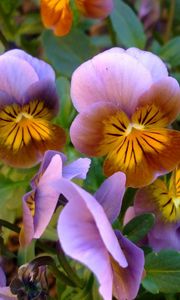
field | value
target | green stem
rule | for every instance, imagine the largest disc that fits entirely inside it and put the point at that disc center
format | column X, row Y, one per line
column 170, row 21
column 4, row 40
column 112, row 32
column 67, row 268
column 10, row 226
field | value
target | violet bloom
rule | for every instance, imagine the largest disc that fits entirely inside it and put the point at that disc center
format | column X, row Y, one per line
column 28, row 103
column 40, row 203
column 5, row 293
column 86, row 234
column 125, row 101
column 163, row 200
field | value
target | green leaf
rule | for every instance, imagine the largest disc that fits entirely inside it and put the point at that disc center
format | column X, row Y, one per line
column 162, row 272
column 170, row 52
column 127, row 26
column 138, row 227
column 67, row 53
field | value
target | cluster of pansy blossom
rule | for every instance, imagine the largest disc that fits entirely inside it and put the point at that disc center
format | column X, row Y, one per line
column 125, row 101
column 58, row 15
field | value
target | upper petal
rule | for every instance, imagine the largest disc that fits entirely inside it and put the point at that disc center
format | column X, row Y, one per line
column 42, row 69
column 113, row 77
column 110, row 195
column 152, row 62
column 77, row 169
column 16, row 76
column 95, row 8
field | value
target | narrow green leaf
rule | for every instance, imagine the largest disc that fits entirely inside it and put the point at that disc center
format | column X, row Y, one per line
column 127, row 26
column 138, row 227
column 162, row 272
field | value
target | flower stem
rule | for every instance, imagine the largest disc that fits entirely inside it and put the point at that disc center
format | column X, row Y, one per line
column 112, row 32
column 68, row 269
column 170, row 21
column 9, row 225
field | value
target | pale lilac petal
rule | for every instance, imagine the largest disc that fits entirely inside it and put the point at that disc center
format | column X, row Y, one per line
column 27, row 232
column 87, row 205
column 16, row 76
column 80, row 240
column 43, row 70
column 127, row 288
column 6, row 99
column 110, row 195
column 117, row 78
column 44, row 90
column 152, row 62
column 45, row 163
column 47, row 195
column 129, row 215
column 164, row 236
column 2, row 278
column 5, row 294
column 77, row 169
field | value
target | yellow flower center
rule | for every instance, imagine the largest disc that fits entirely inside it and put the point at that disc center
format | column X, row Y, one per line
column 168, row 199
column 19, row 125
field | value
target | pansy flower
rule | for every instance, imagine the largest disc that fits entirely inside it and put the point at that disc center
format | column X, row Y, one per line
column 28, row 102
column 57, row 14
column 86, row 234
column 163, row 200
column 39, row 204
column 125, row 101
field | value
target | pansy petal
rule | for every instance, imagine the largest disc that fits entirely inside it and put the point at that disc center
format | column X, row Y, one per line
column 77, row 169
column 150, row 61
column 85, row 204
column 47, row 195
column 129, row 215
column 31, row 144
column 2, row 278
column 44, row 165
column 126, row 282
column 44, row 90
column 151, row 153
column 6, row 99
column 83, row 243
column 5, row 294
column 113, row 78
column 57, row 15
column 87, row 129
column 164, row 94
column 12, row 79
column 27, row 230
column 110, row 195
column 43, row 70
column 95, row 8
column 164, row 236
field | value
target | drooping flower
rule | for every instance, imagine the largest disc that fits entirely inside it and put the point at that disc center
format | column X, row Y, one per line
column 40, row 203
column 86, row 234
column 163, row 200
column 125, row 101
column 57, row 14
column 28, row 102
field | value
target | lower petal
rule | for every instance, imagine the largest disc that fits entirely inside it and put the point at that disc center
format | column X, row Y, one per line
column 145, row 155
column 57, row 15
column 126, row 281
column 27, row 150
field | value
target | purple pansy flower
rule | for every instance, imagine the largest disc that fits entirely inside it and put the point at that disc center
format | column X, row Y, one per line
column 86, row 234
column 126, row 100
column 5, row 293
column 40, row 203
column 28, row 103
column 163, row 200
